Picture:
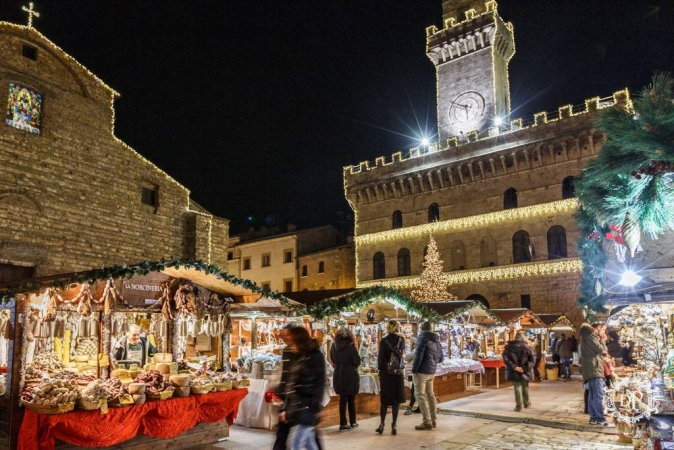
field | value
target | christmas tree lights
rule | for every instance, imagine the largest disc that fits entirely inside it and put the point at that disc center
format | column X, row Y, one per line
column 433, row 282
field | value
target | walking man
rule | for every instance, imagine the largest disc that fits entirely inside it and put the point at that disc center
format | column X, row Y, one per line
column 592, row 368
column 519, row 361
column 428, row 354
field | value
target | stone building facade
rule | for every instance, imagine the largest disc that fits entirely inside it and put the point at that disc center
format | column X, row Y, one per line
column 72, row 195
column 294, row 260
column 334, row 268
column 497, row 196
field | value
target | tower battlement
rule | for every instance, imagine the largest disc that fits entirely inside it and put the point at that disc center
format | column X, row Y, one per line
column 620, row 98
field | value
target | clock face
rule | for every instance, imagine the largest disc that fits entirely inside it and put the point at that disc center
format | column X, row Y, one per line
column 467, row 107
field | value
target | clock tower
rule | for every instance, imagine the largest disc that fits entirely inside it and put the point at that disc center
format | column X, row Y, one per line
column 471, row 55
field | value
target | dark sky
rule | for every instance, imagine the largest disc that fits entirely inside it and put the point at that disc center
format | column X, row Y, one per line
column 256, row 105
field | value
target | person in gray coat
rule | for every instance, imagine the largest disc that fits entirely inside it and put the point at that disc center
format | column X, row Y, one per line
column 592, row 351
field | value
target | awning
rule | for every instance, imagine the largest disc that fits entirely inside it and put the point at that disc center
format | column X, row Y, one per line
column 556, row 322
column 525, row 317
column 465, row 311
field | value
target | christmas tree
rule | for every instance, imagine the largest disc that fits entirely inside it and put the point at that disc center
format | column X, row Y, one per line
column 628, row 188
column 433, row 283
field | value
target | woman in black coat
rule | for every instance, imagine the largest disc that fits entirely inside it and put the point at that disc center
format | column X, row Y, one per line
column 392, row 389
column 346, row 379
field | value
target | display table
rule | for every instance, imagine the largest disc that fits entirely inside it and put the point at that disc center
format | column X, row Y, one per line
column 254, row 412
column 369, row 384
column 160, row 419
column 493, row 372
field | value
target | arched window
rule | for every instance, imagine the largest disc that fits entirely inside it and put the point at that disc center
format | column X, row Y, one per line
column 510, row 198
column 397, row 220
column 479, row 298
column 404, row 266
column 379, row 266
column 522, row 247
column 568, row 190
column 487, row 252
column 557, row 242
column 458, row 256
column 433, row 213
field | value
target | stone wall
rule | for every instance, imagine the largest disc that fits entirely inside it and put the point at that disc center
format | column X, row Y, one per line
column 70, row 198
column 339, row 269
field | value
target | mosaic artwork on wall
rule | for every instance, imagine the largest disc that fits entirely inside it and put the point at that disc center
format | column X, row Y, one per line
column 24, row 108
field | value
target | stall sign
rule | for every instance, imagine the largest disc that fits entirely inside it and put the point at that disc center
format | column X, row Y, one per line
column 144, row 290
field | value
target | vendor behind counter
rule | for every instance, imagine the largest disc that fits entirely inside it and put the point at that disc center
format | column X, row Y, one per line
column 133, row 347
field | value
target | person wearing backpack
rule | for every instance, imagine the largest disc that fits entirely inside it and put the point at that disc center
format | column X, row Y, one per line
column 391, row 374
column 427, row 356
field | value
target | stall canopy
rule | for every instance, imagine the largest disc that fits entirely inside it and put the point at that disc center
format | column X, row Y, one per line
column 556, row 322
column 525, row 317
column 465, row 312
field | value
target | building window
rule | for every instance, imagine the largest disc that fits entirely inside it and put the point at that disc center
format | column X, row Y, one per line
column 321, row 267
column 397, row 220
column 525, row 301
column 29, row 52
column 246, row 263
column 568, row 191
column 557, row 242
column 522, row 247
column 487, row 252
column 510, row 199
column 404, row 266
column 148, row 196
column 230, row 256
column 266, row 285
column 266, row 259
column 288, row 285
column 287, row 256
column 458, row 256
column 433, row 213
column 379, row 266
column 305, row 270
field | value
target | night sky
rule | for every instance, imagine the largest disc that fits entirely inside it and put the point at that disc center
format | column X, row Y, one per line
column 256, row 105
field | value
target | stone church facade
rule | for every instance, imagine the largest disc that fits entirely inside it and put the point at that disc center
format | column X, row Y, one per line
column 496, row 193
column 72, row 195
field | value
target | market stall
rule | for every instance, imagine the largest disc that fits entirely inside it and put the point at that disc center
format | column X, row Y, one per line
column 465, row 331
column 133, row 345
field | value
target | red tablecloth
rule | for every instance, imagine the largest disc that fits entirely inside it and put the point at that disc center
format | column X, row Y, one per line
column 492, row 363
column 161, row 419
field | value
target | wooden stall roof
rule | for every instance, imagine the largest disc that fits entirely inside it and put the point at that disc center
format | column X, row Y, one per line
column 210, row 281
column 556, row 321
column 454, row 309
column 526, row 317
column 309, row 298
column 263, row 305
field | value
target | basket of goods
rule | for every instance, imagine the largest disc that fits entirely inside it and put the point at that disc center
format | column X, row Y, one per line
column 223, row 381
column 91, row 396
column 44, row 364
column 156, row 387
column 244, row 381
column 201, row 385
column 117, row 392
column 54, row 397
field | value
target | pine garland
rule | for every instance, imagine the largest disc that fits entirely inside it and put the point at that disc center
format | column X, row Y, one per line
column 630, row 183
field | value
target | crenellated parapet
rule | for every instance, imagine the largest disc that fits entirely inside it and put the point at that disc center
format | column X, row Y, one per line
column 546, row 139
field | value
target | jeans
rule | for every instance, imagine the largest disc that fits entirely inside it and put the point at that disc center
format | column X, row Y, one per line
column 595, row 399
column 282, row 433
column 521, row 388
column 423, row 390
column 345, row 400
column 566, row 366
column 304, row 438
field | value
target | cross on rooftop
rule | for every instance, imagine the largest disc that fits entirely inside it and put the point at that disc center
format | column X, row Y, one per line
column 31, row 12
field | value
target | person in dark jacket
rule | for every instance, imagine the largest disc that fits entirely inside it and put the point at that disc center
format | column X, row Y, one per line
column 564, row 350
column 392, row 389
column 426, row 358
column 304, row 389
column 519, row 361
column 613, row 343
column 346, row 379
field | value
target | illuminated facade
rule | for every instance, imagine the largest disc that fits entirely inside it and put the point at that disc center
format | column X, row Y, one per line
column 498, row 199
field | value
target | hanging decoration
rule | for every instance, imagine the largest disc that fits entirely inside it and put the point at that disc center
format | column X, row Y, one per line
column 433, row 281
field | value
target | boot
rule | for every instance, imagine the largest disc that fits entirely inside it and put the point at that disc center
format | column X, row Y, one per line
column 408, row 411
column 393, row 429
column 380, row 430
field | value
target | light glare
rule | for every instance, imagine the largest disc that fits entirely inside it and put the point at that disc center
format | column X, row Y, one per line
column 630, row 279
